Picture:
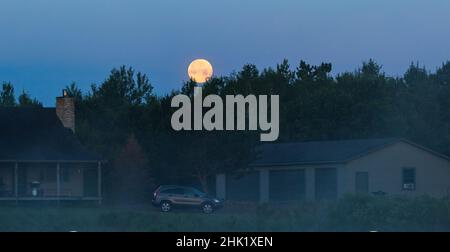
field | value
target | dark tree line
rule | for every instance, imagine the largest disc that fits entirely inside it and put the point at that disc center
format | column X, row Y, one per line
column 8, row 98
column 123, row 112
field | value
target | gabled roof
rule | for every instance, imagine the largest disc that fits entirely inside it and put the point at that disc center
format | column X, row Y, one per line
column 319, row 152
column 37, row 134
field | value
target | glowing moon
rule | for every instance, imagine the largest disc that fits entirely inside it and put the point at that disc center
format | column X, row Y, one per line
column 200, row 70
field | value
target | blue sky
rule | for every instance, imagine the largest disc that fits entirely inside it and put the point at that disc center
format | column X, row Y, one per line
column 47, row 44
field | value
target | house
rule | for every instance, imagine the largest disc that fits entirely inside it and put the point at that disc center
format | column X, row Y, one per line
column 330, row 169
column 41, row 159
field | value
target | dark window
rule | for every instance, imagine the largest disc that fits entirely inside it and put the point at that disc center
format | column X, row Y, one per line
column 362, row 182
column 174, row 191
column 192, row 191
column 409, row 179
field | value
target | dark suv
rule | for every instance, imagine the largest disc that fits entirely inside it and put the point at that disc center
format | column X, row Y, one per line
column 168, row 196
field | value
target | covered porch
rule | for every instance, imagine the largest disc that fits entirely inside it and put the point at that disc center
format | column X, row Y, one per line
column 50, row 180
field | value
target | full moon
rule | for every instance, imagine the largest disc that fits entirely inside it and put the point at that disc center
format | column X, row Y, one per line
column 200, row 70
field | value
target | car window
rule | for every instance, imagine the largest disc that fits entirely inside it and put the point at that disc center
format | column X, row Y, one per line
column 189, row 191
column 173, row 191
column 193, row 191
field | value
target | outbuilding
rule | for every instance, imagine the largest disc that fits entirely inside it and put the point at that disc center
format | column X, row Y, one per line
column 323, row 170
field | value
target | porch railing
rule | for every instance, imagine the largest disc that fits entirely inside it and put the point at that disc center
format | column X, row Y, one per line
column 60, row 194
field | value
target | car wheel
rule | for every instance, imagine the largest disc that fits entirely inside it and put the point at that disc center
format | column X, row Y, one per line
column 207, row 208
column 166, row 206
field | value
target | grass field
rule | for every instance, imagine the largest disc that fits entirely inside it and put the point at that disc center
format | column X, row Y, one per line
column 352, row 213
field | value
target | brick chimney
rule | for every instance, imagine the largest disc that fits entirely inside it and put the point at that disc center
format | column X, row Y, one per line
column 65, row 110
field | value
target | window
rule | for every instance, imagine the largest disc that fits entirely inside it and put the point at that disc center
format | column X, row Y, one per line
column 409, row 179
column 193, row 192
column 174, row 191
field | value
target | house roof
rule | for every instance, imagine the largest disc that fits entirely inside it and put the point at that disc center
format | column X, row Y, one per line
column 318, row 152
column 37, row 134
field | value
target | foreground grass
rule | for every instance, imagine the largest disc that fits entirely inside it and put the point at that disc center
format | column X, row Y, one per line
column 352, row 213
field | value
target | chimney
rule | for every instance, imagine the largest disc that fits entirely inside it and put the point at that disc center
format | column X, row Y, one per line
column 65, row 110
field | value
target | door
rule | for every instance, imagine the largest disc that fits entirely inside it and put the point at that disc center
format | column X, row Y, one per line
column 362, row 182
column 192, row 196
column 326, row 183
column 175, row 195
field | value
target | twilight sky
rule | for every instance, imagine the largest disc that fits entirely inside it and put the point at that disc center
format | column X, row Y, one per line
column 47, row 44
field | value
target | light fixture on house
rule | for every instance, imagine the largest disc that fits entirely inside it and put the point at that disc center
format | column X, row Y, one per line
column 35, row 188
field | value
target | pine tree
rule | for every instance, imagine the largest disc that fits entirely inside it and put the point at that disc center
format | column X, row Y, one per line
column 7, row 98
column 130, row 179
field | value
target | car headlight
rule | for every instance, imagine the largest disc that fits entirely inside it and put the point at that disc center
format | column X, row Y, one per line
column 216, row 201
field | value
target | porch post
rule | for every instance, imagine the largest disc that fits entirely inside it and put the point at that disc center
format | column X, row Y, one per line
column 99, row 182
column 58, row 182
column 16, row 181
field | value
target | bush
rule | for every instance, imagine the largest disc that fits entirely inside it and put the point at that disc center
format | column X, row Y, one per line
column 363, row 212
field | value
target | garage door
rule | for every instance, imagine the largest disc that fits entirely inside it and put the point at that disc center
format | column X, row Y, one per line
column 243, row 188
column 287, row 185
